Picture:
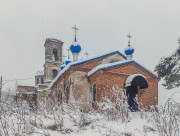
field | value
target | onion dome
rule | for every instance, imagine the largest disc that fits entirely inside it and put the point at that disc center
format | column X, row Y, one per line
column 68, row 61
column 62, row 66
column 129, row 50
column 75, row 47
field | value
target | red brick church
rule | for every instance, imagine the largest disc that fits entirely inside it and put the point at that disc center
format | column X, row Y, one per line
column 90, row 79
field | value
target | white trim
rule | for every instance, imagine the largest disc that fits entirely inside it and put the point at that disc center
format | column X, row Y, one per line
column 130, row 79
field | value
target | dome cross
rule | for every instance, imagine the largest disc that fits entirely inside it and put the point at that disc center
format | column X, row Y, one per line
column 75, row 29
column 129, row 39
column 87, row 54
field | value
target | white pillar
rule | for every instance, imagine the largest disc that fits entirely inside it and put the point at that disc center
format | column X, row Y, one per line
column 129, row 57
column 75, row 56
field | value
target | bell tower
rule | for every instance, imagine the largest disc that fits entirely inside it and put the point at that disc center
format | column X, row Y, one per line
column 53, row 49
column 53, row 58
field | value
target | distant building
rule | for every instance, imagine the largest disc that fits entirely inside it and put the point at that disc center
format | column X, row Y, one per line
column 26, row 94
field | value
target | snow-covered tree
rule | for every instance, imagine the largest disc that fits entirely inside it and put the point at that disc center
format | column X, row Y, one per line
column 169, row 69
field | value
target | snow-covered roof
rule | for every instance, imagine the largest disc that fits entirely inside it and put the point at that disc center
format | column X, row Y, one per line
column 97, row 57
column 52, row 61
column 40, row 73
column 60, row 73
column 82, row 62
column 25, row 92
column 119, row 63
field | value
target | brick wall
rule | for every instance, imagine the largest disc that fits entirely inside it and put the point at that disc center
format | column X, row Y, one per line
column 117, row 76
column 80, row 84
column 106, row 79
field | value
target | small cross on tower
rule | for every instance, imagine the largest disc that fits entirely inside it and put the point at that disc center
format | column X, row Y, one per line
column 129, row 39
column 87, row 54
column 68, row 50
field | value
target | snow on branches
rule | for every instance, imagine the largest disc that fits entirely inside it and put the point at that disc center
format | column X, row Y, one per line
column 169, row 69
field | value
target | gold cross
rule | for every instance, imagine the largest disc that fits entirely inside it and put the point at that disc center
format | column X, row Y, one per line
column 129, row 39
column 75, row 29
column 68, row 50
column 87, row 54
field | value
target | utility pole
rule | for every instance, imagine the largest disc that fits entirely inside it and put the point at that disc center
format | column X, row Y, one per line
column 0, row 88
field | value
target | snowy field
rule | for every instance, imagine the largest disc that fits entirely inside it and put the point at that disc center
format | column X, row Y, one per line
column 101, row 126
column 57, row 120
column 75, row 124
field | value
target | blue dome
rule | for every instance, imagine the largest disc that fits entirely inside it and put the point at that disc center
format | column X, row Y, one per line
column 62, row 66
column 129, row 50
column 68, row 61
column 75, row 48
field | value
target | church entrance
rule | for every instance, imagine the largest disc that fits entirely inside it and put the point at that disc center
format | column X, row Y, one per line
column 134, row 83
column 131, row 92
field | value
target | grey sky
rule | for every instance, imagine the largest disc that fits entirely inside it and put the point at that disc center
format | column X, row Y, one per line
column 104, row 25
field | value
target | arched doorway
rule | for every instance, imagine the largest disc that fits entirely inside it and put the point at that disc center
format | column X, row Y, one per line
column 133, row 83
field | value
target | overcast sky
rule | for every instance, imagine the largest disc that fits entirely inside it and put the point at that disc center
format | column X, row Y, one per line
column 104, row 26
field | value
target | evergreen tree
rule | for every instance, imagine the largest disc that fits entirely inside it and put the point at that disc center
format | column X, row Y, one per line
column 169, row 69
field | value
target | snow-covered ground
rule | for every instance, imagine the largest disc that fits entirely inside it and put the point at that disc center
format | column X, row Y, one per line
column 76, row 123
column 164, row 94
column 100, row 125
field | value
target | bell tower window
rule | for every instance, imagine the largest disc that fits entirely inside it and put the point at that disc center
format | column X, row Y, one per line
column 54, row 73
column 55, row 54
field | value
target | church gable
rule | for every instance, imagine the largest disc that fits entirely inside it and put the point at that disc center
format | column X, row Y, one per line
column 123, row 67
column 102, row 59
column 132, row 68
column 112, row 58
column 109, row 76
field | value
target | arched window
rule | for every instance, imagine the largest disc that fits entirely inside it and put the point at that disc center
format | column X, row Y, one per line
column 54, row 73
column 55, row 54
column 94, row 92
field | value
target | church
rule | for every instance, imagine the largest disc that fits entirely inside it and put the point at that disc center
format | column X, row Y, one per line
column 89, row 80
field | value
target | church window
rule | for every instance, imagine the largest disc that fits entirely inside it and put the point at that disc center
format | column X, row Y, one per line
column 55, row 54
column 94, row 92
column 54, row 73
